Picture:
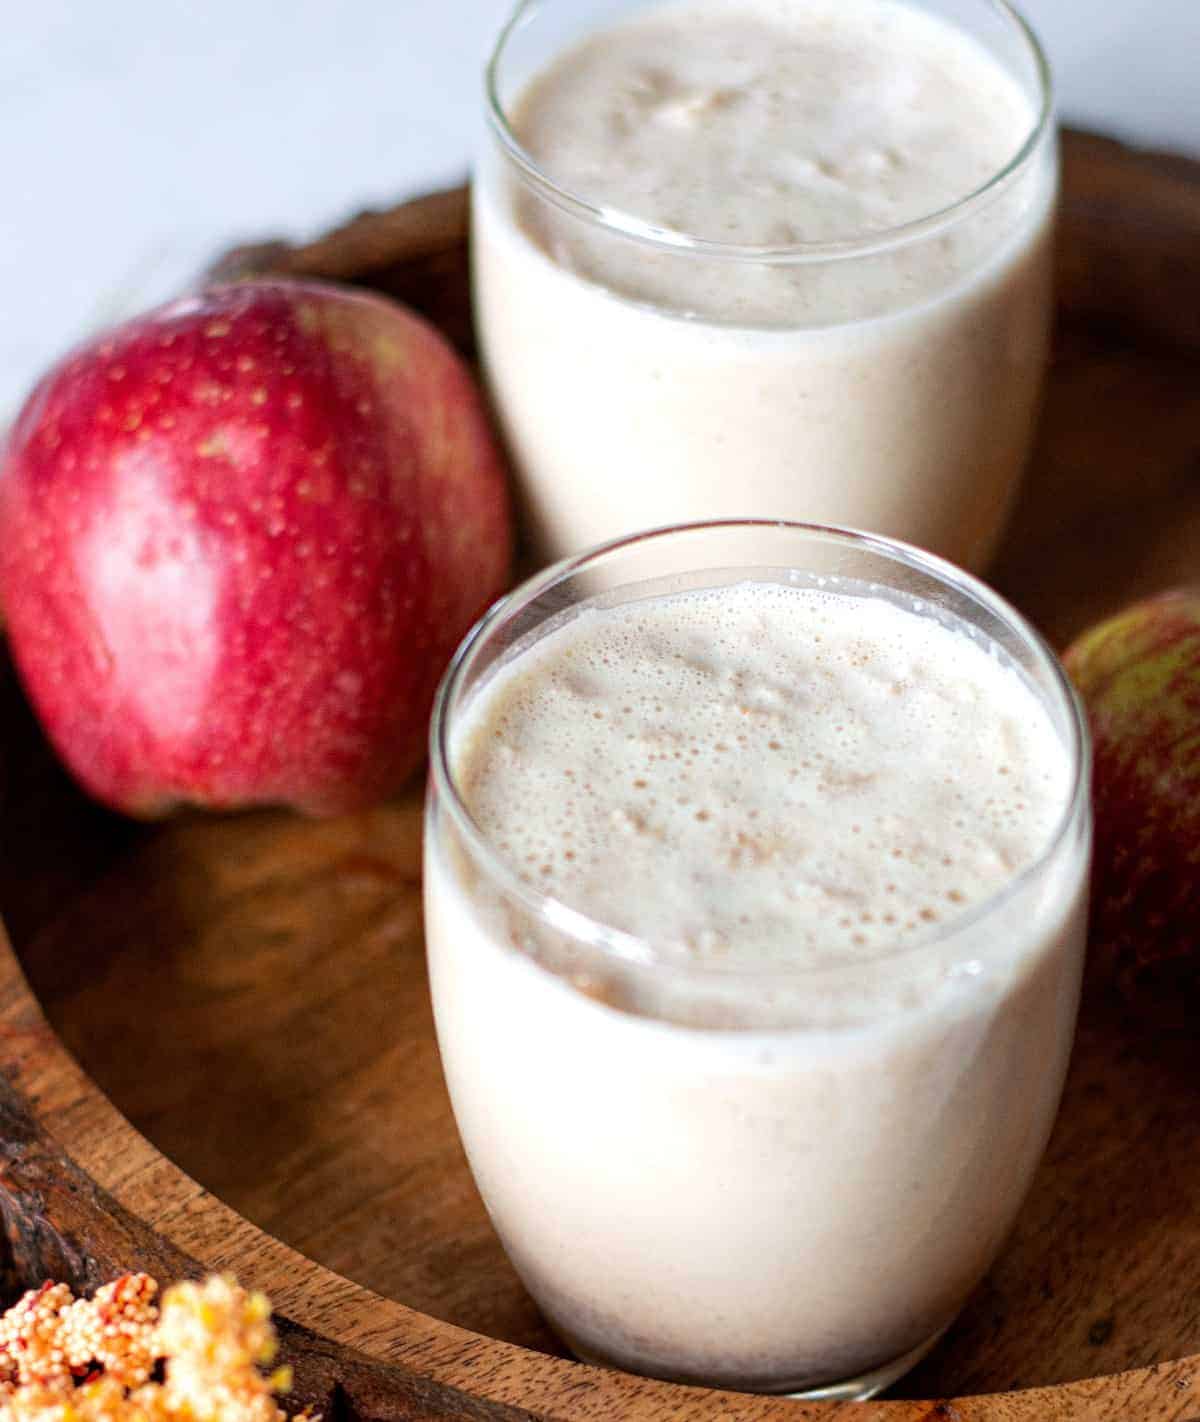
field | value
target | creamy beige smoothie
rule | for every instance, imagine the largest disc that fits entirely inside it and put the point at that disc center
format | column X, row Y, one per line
column 756, row 1010
column 706, row 245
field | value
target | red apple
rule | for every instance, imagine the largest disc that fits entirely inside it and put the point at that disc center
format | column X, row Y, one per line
column 240, row 537
column 1139, row 676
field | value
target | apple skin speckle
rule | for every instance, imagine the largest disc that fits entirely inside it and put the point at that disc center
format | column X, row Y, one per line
column 240, row 538
column 1139, row 676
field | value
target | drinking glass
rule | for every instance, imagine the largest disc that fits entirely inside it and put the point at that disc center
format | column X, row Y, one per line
column 772, row 1178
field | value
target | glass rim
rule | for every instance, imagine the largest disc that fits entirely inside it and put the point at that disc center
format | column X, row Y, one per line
column 632, row 950
column 628, row 225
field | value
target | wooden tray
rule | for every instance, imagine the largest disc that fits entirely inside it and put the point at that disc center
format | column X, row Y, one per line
column 249, row 993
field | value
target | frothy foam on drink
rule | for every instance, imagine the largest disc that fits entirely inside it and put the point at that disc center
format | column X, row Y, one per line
column 762, row 773
column 814, row 122
column 772, row 124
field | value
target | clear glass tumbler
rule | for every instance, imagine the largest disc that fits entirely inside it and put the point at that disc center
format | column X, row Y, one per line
column 770, row 1179
column 888, row 380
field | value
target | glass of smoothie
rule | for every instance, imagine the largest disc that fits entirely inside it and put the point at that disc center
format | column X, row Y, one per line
column 756, row 865
column 792, row 256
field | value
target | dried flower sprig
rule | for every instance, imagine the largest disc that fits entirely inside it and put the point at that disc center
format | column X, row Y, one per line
column 64, row 1359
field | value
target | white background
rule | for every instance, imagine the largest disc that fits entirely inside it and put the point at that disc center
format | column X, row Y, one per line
column 139, row 137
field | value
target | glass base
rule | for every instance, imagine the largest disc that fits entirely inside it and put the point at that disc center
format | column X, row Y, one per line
column 856, row 1389
column 868, row 1385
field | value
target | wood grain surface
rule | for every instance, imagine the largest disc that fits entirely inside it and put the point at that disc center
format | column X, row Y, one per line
column 249, row 991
